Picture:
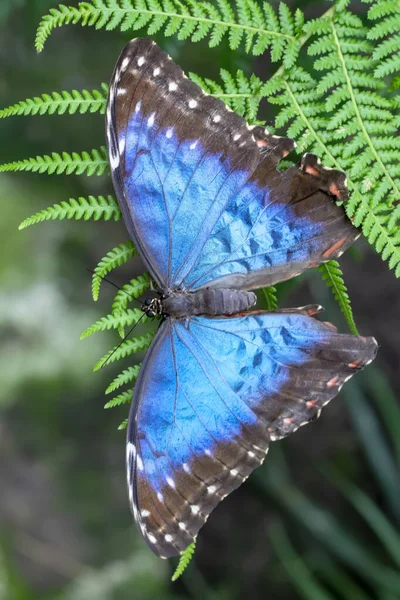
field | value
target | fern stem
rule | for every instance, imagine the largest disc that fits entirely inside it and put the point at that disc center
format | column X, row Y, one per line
column 358, row 114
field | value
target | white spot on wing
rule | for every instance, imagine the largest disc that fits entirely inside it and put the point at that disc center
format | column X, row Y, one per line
column 114, row 161
column 168, row 538
column 193, row 145
column 125, row 63
column 138, row 105
column 145, row 513
column 139, row 463
column 121, row 145
column 211, row 489
column 141, row 61
column 236, row 137
column 217, row 118
column 195, row 509
column 160, row 497
column 152, row 538
column 185, row 467
column 150, row 121
column 169, row 133
column 156, row 72
column 192, row 103
column 172, row 86
column 121, row 91
column 171, row 482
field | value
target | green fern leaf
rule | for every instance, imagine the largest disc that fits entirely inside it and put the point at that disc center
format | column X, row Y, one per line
column 240, row 93
column 270, row 297
column 345, row 119
column 125, row 349
column 94, row 163
column 115, row 258
column 82, row 208
column 333, row 277
column 186, row 557
column 127, row 318
column 127, row 376
column 133, row 289
column 123, row 425
column 245, row 21
column 385, row 35
column 123, row 398
column 59, row 103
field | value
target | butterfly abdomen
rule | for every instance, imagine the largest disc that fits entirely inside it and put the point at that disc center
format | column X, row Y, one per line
column 208, row 301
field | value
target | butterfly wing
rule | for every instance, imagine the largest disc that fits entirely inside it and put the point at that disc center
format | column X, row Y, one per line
column 200, row 191
column 211, row 395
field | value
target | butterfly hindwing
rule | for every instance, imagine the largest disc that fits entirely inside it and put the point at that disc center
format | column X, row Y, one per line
column 211, row 395
column 170, row 145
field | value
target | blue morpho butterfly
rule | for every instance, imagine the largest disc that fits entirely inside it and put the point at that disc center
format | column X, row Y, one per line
column 213, row 217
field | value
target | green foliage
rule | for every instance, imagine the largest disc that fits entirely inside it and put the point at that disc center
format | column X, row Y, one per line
column 90, row 163
column 92, row 207
column 270, row 297
column 186, row 557
column 113, row 259
column 333, row 276
column 240, row 93
column 60, row 103
column 123, row 398
column 385, row 36
column 128, row 347
column 127, row 376
column 131, row 290
column 127, row 318
column 245, row 21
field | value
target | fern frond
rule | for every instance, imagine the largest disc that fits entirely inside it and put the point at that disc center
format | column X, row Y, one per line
column 186, row 557
column 90, row 163
column 113, row 259
column 343, row 117
column 259, row 28
column 333, row 277
column 133, row 289
column 59, row 103
column 123, row 398
column 127, row 348
column 127, row 376
column 82, row 208
column 270, row 297
column 123, row 425
column 386, row 36
column 127, row 318
column 242, row 94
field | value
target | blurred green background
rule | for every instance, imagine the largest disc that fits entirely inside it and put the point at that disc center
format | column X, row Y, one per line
column 319, row 520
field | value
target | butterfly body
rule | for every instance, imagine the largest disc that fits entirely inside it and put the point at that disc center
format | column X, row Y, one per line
column 213, row 219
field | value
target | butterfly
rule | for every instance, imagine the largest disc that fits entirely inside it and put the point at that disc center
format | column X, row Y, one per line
column 214, row 219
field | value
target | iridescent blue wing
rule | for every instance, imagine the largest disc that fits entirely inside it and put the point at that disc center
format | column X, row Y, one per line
column 200, row 191
column 211, row 395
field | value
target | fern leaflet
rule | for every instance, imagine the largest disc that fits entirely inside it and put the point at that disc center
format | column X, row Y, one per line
column 82, row 208
column 59, row 103
column 333, row 276
column 242, row 21
column 123, row 398
column 271, row 300
column 123, row 425
column 128, row 347
column 186, row 557
column 240, row 93
column 386, row 36
column 94, row 163
column 131, row 290
column 127, row 376
column 127, row 318
column 113, row 259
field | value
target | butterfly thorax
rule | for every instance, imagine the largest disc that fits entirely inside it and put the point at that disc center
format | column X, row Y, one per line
column 207, row 301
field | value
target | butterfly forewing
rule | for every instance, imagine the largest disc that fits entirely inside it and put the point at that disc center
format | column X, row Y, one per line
column 200, row 191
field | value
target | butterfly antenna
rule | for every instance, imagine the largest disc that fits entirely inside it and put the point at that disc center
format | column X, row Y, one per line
column 116, row 286
column 107, row 360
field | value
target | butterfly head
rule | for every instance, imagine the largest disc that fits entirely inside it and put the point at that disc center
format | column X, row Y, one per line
column 152, row 307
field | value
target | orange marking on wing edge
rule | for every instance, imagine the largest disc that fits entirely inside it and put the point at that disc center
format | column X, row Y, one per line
column 311, row 171
column 354, row 364
column 261, row 143
column 311, row 403
column 288, row 420
column 333, row 248
column 334, row 190
column 333, row 381
column 329, row 324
